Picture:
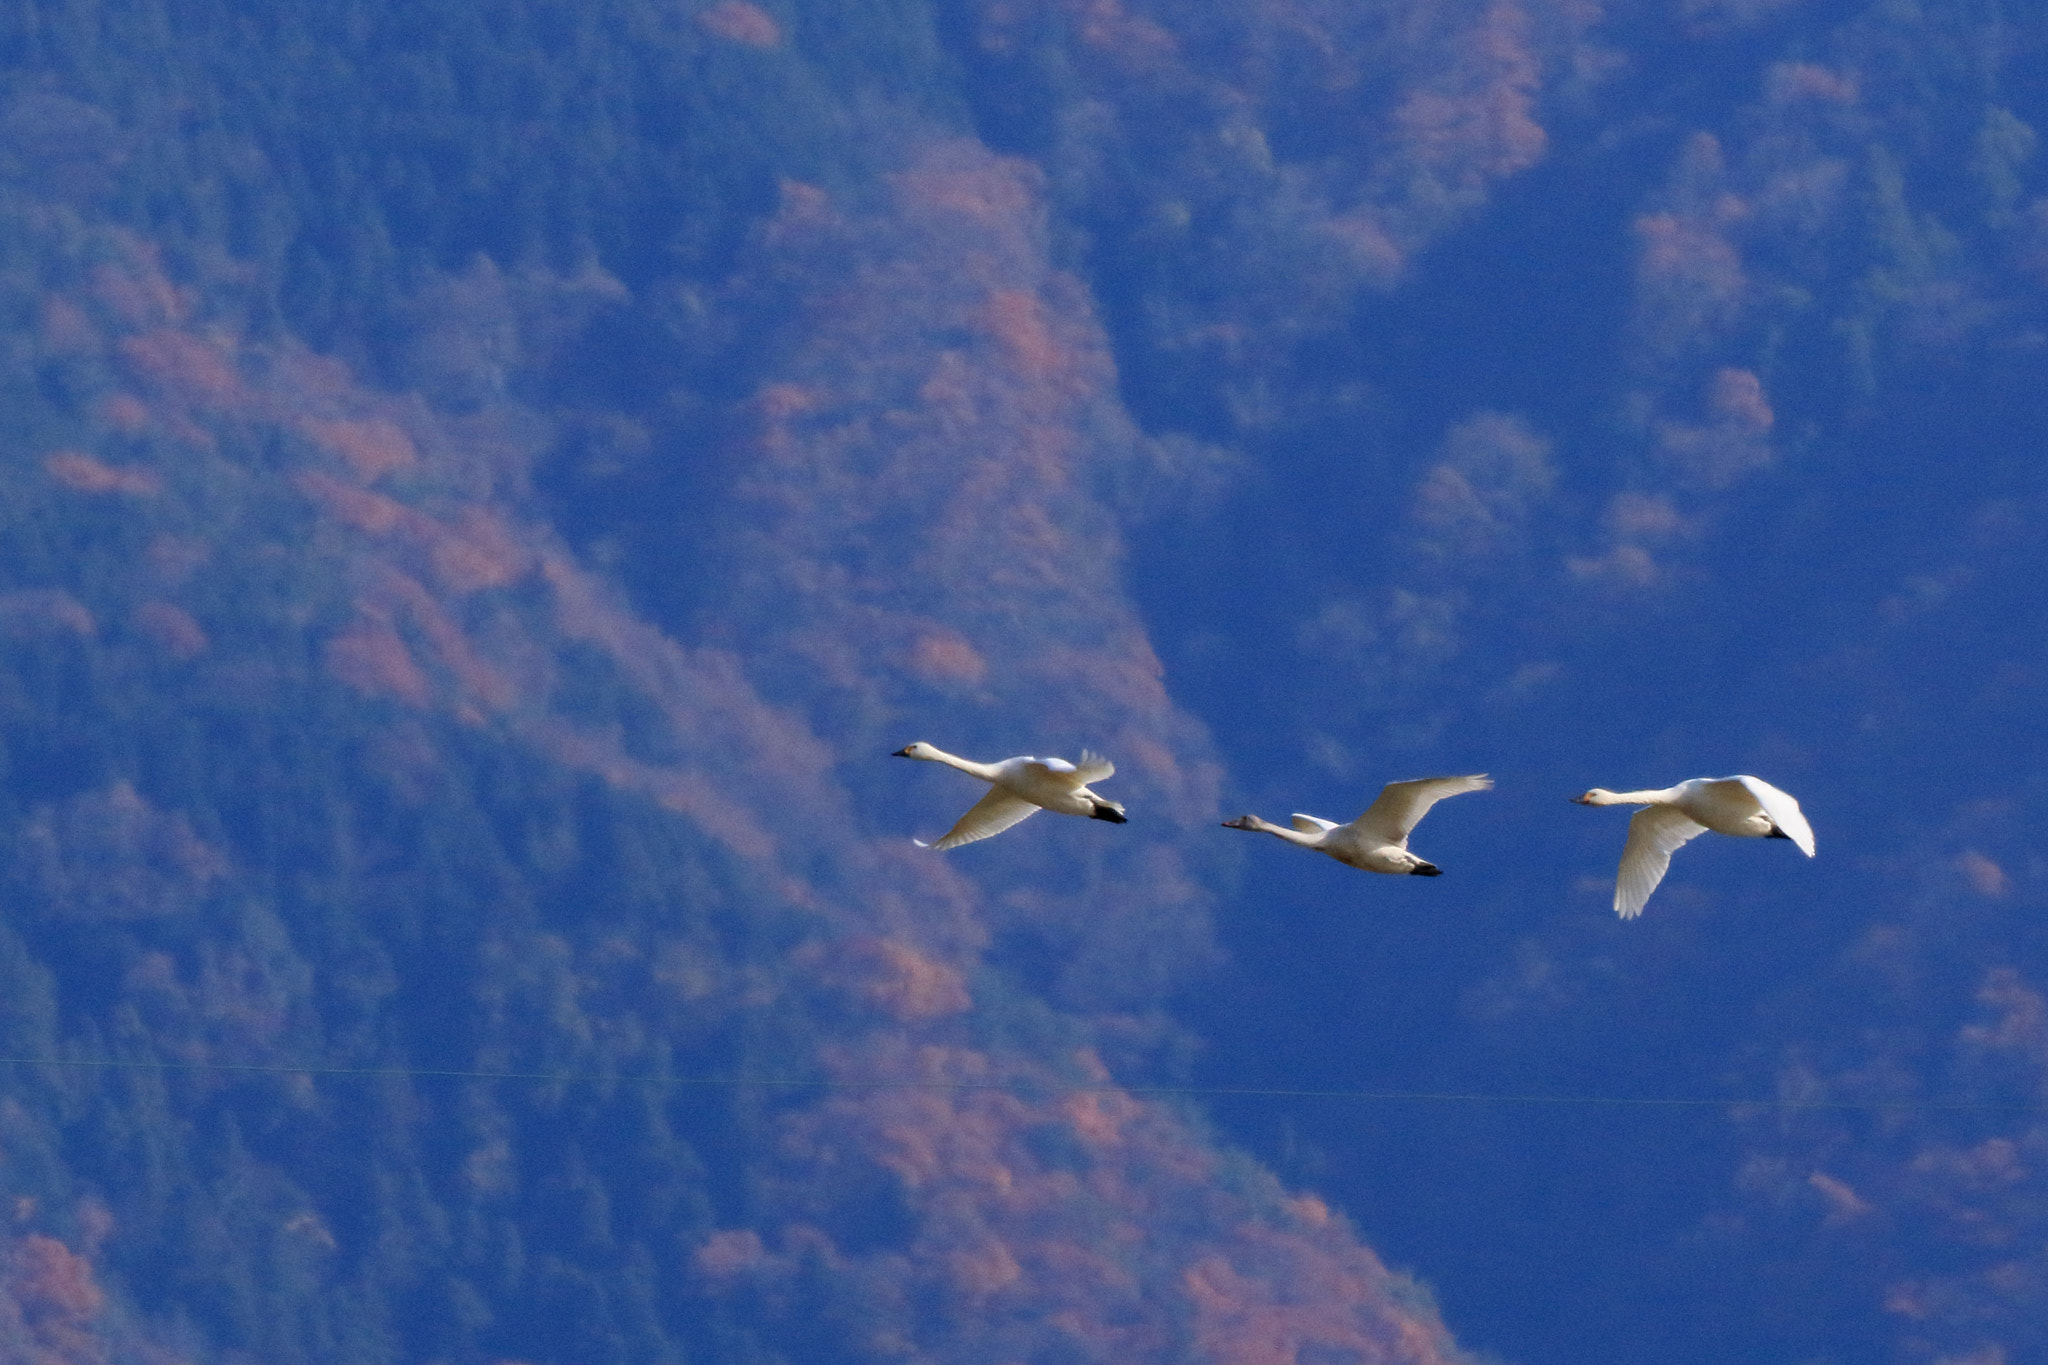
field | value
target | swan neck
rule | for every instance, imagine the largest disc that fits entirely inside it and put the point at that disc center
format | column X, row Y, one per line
column 984, row 771
column 1292, row 836
column 1663, row 797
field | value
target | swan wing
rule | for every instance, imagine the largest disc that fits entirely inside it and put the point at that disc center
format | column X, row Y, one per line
column 987, row 818
column 1401, row 805
column 1094, row 767
column 1654, row 834
column 1783, row 810
column 1047, row 774
column 1311, row 824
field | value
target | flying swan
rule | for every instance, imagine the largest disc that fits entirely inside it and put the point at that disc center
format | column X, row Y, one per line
column 1376, row 841
column 1746, row 806
column 1021, row 787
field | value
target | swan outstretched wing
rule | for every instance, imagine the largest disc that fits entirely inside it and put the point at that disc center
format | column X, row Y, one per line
column 1654, row 834
column 1783, row 810
column 1311, row 824
column 1401, row 805
column 1094, row 767
column 985, row 819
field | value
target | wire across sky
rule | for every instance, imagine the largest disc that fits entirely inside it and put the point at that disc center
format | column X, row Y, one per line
column 1034, row 1087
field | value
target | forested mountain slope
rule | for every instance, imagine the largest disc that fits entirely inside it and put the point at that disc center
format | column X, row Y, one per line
column 487, row 486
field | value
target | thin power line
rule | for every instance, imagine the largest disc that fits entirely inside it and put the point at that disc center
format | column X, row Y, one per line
column 1040, row 1087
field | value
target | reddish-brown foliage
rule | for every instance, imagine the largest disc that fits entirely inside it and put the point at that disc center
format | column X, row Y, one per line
column 124, row 412
column 75, row 469
column 194, row 370
column 370, row 448
column 43, row 611
column 1983, row 874
column 1089, row 1223
column 1731, row 443
column 172, row 628
column 1479, row 125
column 136, row 289
column 372, row 658
column 49, row 1305
column 943, row 656
column 479, row 551
column 736, row 21
column 903, row 983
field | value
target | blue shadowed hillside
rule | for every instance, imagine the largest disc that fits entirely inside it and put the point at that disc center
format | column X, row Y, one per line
column 488, row 487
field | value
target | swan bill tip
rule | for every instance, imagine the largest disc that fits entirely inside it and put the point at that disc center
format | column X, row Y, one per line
column 1425, row 870
column 1114, row 814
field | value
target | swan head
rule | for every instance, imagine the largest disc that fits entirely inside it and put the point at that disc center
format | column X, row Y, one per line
column 917, row 750
column 1242, row 822
column 1599, row 796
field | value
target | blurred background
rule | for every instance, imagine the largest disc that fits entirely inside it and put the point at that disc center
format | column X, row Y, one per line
column 488, row 485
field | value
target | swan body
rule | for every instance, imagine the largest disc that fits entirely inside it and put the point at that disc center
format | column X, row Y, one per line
column 1020, row 788
column 1376, row 841
column 1747, row 807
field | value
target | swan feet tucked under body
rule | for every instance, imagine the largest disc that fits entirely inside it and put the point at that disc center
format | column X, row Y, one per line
column 1747, row 807
column 1376, row 841
column 1021, row 787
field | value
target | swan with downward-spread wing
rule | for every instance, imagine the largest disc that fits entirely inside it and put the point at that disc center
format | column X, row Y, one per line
column 1747, row 807
column 1021, row 787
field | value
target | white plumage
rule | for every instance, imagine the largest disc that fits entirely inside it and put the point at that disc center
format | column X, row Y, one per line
column 1376, row 841
column 1019, row 788
column 1747, row 807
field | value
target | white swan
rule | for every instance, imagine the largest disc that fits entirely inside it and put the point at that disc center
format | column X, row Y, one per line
column 1021, row 787
column 1376, row 841
column 1746, row 806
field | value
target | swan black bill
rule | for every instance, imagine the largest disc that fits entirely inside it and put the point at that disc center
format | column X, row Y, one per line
column 1109, row 813
column 904, row 752
column 1777, row 833
column 1425, row 870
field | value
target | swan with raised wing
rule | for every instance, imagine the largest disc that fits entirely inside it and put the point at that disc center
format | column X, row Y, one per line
column 1019, row 788
column 1747, row 807
column 1376, row 841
